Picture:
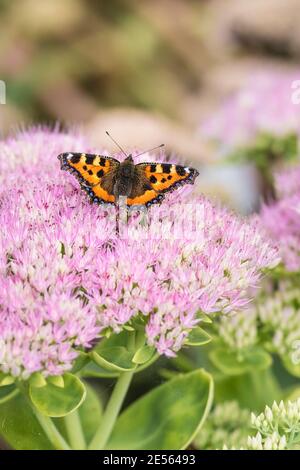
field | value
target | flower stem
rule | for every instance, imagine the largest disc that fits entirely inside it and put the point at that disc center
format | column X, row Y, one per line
column 51, row 431
column 74, row 431
column 46, row 423
column 111, row 412
column 114, row 404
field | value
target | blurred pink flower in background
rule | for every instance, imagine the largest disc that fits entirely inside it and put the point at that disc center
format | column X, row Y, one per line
column 65, row 278
column 263, row 105
column 282, row 219
column 287, row 181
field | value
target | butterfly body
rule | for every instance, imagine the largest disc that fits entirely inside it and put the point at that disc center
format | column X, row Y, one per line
column 105, row 179
column 124, row 178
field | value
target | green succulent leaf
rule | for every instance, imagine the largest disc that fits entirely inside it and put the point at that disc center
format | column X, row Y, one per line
column 293, row 369
column 113, row 353
column 167, row 417
column 204, row 318
column 114, row 340
column 19, row 427
column 37, row 380
column 253, row 390
column 292, row 394
column 55, row 401
column 6, row 380
column 57, row 380
column 231, row 363
column 116, row 358
column 81, row 361
column 95, row 370
column 143, row 354
column 198, row 337
column 7, row 392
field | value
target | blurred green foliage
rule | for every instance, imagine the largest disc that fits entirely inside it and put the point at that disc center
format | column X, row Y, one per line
column 98, row 53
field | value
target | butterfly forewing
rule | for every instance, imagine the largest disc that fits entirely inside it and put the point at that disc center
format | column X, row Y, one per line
column 94, row 172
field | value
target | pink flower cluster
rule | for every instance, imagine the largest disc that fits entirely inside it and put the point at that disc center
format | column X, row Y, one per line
column 263, row 105
column 282, row 219
column 65, row 277
column 287, row 181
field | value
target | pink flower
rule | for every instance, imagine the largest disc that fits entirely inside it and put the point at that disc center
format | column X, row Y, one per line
column 282, row 219
column 263, row 105
column 287, row 181
column 66, row 278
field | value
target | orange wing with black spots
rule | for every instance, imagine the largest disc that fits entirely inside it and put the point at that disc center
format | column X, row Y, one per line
column 95, row 174
column 154, row 180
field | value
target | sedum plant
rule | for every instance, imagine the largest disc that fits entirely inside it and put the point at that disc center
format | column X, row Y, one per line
column 276, row 428
column 243, row 356
column 227, row 422
column 258, row 125
column 79, row 301
column 229, row 426
column 255, row 353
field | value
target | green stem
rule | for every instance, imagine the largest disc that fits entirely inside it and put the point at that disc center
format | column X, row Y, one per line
column 74, row 431
column 51, row 431
column 46, row 423
column 113, row 406
column 111, row 412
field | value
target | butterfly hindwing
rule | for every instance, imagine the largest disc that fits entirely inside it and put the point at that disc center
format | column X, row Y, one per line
column 144, row 198
column 153, row 180
column 94, row 172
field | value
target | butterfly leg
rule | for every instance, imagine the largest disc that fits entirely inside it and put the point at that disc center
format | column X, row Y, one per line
column 121, row 213
column 144, row 218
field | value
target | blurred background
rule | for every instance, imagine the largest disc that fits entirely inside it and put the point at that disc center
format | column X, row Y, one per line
column 153, row 71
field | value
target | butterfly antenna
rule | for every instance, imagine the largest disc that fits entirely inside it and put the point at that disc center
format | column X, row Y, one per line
column 119, row 146
column 150, row 150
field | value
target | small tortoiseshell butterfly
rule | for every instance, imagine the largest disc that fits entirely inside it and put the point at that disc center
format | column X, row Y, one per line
column 144, row 184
